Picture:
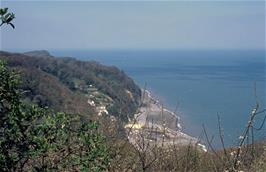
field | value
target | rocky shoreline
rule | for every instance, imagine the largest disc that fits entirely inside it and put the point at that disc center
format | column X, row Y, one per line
column 158, row 125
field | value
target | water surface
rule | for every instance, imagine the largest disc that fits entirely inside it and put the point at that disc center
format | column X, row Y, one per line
column 203, row 84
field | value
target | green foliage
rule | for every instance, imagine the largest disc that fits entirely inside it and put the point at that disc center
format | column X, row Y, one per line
column 36, row 139
column 48, row 78
column 6, row 17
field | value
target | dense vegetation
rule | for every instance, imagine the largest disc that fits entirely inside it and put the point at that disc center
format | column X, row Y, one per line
column 40, row 138
column 36, row 136
column 64, row 83
column 37, row 139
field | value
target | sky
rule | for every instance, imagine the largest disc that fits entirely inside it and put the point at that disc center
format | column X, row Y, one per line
column 135, row 25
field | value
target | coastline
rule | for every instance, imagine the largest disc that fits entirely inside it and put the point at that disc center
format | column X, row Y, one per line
column 158, row 124
column 155, row 108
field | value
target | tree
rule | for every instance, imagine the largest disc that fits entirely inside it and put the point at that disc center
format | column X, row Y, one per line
column 37, row 139
column 6, row 17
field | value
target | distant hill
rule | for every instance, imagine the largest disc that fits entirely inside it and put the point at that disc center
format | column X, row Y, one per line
column 70, row 85
column 38, row 53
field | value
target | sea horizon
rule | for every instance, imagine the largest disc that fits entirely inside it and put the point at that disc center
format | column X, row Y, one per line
column 203, row 83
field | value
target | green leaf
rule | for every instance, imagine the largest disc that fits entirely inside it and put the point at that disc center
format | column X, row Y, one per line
column 3, row 11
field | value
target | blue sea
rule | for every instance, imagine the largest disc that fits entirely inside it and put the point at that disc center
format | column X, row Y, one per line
column 200, row 83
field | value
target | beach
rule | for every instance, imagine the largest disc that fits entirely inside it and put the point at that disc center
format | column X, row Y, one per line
column 158, row 125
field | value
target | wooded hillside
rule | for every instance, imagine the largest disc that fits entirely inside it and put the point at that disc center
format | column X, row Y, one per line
column 65, row 84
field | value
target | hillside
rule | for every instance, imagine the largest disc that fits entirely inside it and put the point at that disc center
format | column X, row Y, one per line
column 91, row 89
column 70, row 85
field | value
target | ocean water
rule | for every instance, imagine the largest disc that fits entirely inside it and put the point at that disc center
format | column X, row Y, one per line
column 200, row 83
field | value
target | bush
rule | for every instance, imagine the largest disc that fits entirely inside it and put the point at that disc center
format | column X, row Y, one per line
column 37, row 139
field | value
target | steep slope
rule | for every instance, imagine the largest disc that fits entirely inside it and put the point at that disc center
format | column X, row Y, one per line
column 75, row 86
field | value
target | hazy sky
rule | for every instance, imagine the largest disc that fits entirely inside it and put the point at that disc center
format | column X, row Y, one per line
column 135, row 25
